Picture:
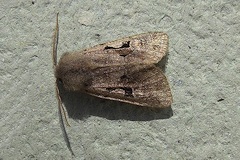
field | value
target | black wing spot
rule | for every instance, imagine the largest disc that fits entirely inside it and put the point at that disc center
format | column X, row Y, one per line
column 123, row 77
column 110, row 89
column 127, row 90
column 124, row 45
column 107, row 47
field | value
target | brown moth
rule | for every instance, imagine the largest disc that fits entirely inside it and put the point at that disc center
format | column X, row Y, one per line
column 122, row 70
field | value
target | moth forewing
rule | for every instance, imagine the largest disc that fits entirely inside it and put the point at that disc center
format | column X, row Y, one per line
column 146, row 48
column 143, row 85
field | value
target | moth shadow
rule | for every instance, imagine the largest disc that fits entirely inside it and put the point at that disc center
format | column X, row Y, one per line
column 80, row 106
column 162, row 64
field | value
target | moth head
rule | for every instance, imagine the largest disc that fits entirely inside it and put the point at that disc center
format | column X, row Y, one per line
column 70, row 75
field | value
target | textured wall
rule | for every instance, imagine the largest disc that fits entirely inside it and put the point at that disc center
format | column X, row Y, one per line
column 203, row 69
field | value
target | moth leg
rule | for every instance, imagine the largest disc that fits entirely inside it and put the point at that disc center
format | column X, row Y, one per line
column 54, row 58
column 61, row 112
column 60, row 106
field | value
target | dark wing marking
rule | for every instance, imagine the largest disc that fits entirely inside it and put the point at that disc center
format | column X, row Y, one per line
column 143, row 85
column 147, row 48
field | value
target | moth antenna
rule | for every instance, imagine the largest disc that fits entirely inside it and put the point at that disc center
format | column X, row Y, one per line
column 54, row 58
column 61, row 110
column 55, row 43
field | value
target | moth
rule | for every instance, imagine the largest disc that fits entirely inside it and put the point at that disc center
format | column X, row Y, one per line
column 123, row 70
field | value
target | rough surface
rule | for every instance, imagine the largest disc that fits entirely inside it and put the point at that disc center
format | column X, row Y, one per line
column 203, row 68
